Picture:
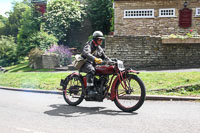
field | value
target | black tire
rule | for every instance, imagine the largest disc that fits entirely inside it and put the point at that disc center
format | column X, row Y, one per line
column 73, row 90
column 136, row 95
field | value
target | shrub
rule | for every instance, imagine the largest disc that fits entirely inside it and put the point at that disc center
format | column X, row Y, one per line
column 63, row 52
column 29, row 24
column 100, row 13
column 33, row 55
column 42, row 40
column 190, row 34
column 7, row 51
column 62, row 16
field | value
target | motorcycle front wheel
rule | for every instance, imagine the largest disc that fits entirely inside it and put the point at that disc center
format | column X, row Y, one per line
column 73, row 90
column 131, row 98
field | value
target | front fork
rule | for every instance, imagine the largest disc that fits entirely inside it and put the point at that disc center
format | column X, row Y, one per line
column 122, row 78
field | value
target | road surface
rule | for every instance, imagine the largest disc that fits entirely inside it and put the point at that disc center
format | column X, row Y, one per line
column 26, row 112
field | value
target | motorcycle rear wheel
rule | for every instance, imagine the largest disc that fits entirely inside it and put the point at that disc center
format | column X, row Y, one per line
column 131, row 98
column 73, row 90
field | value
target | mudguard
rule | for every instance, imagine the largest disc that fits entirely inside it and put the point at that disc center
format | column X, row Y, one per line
column 117, row 79
column 113, row 91
column 64, row 81
column 133, row 71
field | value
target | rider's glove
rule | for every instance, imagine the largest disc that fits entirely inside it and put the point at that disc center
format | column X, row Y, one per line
column 98, row 60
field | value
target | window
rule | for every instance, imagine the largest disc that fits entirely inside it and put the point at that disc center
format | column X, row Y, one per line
column 197, row 11
column 168, row 12
column 139, row 13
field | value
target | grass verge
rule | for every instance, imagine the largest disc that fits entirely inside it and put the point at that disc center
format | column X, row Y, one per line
column 23, row 67
column 157, row 83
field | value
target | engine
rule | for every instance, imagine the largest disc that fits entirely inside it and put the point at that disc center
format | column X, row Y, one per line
column 100, row 83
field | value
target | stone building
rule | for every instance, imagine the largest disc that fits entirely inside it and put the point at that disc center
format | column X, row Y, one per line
column 145, row 52
column 153, row 17
column 139, row 25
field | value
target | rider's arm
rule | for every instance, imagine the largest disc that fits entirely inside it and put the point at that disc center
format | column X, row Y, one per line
column 87, row 53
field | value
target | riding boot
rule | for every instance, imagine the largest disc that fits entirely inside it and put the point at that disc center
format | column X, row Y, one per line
column 90, row 85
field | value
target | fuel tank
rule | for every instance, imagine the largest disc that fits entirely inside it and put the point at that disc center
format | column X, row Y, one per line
column 104, row 70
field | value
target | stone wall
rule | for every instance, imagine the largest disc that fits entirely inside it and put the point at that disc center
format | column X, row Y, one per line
column 156, row 25
column 46, row 61
column 144, row 52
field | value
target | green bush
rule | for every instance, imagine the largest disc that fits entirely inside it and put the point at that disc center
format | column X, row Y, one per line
column 33, row 55
column 7, row 51
column 100, row 13
column 42, row 40
column 29, row 25
column 62, row 16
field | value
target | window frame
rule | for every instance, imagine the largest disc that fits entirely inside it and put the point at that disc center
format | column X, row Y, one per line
column 167, row 16
column 197, row 12
column 140, row 13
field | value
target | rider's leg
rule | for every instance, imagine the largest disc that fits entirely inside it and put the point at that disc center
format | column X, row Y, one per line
column 90, row 70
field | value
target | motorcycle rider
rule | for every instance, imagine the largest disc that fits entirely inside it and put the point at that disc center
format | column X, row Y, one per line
column 94, row 55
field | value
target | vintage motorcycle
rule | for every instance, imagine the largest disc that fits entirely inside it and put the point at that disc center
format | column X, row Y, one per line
column 112, row 81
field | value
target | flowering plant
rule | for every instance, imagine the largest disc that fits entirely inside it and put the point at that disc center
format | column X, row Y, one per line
column 190, row 34
column 63, row 52
column 61, row 16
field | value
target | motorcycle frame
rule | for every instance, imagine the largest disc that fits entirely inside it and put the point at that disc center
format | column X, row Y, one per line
column 121, row 76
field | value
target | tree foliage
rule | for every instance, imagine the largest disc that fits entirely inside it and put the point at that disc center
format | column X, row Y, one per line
column 61, row 16
column 7, row 51
column 15, row 16
column 29, row 24
column 100, row 14
column 42, row 40
column 3, row 21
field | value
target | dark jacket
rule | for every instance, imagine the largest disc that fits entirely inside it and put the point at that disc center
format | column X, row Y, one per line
column 90, row 52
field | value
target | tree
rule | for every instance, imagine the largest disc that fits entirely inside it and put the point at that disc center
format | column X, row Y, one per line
column 100, row 14
column 42, row 40
column 3, row 21
column 62, row 16
column 15, row 16
column 29, row 24
column 7, row 51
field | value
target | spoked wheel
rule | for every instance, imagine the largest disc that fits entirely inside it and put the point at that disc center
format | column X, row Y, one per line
column 131, row 98
column 73, row 90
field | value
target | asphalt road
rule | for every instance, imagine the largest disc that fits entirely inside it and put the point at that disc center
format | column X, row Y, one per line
column 25, row 112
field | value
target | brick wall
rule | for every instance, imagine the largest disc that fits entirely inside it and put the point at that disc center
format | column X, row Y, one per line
column 156, row 25
column 146, row 52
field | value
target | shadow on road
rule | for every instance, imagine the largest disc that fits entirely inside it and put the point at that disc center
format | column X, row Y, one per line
column 77, row 111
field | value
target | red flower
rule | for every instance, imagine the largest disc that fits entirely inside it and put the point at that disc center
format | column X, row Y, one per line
column 191, row 30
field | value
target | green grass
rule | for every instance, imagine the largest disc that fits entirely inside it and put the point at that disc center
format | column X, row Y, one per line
column 169, row 81
column 165, row 80
column 152, row 81
column 21, row 76
column 35, row 80
column 23, row 67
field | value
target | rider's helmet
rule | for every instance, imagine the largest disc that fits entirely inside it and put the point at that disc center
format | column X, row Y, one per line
column 98, row 35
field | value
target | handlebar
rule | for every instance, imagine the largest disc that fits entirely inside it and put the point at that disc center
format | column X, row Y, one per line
column 112, row 61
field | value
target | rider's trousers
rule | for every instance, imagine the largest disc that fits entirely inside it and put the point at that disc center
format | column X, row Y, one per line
column 90, row 70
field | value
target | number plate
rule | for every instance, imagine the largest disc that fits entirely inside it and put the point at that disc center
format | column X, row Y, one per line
column 120, row 65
